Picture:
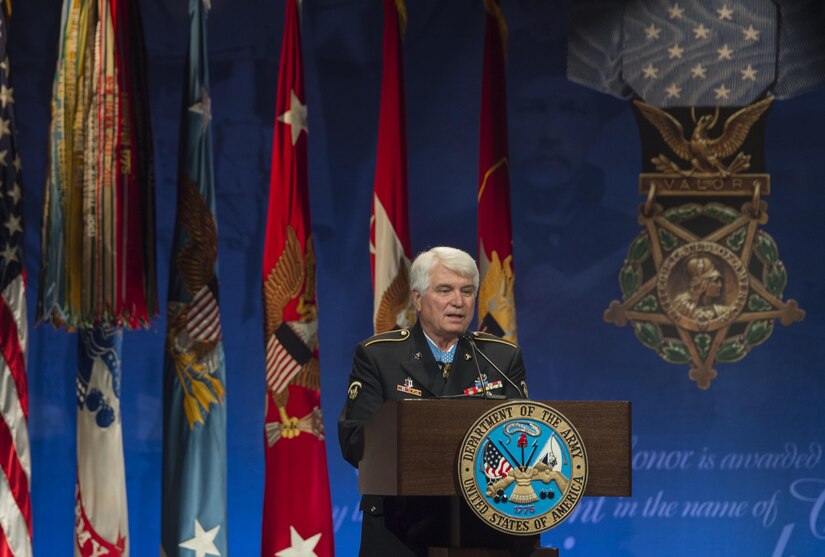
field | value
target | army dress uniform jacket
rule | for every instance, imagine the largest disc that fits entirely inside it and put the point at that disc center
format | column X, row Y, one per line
column 398, row 365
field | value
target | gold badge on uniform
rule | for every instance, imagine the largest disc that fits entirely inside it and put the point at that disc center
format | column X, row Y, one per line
column 354, row 389
column 702, row 283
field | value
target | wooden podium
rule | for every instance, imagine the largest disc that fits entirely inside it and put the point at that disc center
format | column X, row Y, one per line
column 411, row 449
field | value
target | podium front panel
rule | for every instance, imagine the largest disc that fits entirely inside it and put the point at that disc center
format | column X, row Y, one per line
column 411, row 446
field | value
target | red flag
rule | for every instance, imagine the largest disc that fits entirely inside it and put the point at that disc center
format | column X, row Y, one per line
column 389, row 222
column 496, row 305
column 297, row 508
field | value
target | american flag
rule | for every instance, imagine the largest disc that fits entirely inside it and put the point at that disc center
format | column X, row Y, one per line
column 15, row 462
column 495, row 465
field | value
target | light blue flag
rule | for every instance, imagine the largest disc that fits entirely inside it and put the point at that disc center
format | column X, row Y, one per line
column 194, row 441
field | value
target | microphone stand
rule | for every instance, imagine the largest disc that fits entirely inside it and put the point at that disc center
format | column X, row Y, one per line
column 484, row 393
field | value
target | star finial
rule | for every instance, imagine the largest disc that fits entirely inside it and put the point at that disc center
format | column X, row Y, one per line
column 295, row 117
column 203, row 541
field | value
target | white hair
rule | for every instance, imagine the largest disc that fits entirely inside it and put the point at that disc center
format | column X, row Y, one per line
column 452, row 259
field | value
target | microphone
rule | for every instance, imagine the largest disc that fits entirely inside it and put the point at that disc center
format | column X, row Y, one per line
column 469, row 338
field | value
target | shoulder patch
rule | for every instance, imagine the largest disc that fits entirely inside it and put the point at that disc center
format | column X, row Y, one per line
column 355, row 388
column 397, row 335
column 487, row 337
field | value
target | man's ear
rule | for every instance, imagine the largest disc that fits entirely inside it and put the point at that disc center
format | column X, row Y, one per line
column 416, row 297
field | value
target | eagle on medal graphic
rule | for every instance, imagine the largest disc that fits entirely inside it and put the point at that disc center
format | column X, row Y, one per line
column 705, row 154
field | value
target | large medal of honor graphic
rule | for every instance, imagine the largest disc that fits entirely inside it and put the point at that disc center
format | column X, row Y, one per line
column 522, row 468
column 702, row 283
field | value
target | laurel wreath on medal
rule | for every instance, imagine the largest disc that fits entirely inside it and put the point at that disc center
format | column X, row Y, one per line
column 747, row 257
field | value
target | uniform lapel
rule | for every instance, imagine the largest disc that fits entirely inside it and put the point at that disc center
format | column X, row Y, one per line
column 421, row 366
column 463, row 373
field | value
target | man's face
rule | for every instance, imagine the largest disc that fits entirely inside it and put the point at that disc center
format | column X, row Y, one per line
column 714, row 287
column 446, row 307
column 552, row 127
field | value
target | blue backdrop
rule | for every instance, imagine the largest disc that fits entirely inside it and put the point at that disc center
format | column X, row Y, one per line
column 702, row 484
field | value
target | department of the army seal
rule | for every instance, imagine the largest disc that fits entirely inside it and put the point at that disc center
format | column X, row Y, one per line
column 522, row 467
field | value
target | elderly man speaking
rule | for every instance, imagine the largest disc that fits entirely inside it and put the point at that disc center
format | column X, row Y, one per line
column 436, row 357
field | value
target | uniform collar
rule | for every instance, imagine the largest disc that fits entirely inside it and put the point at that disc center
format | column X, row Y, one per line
column 446, row 356
column 423, row 367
